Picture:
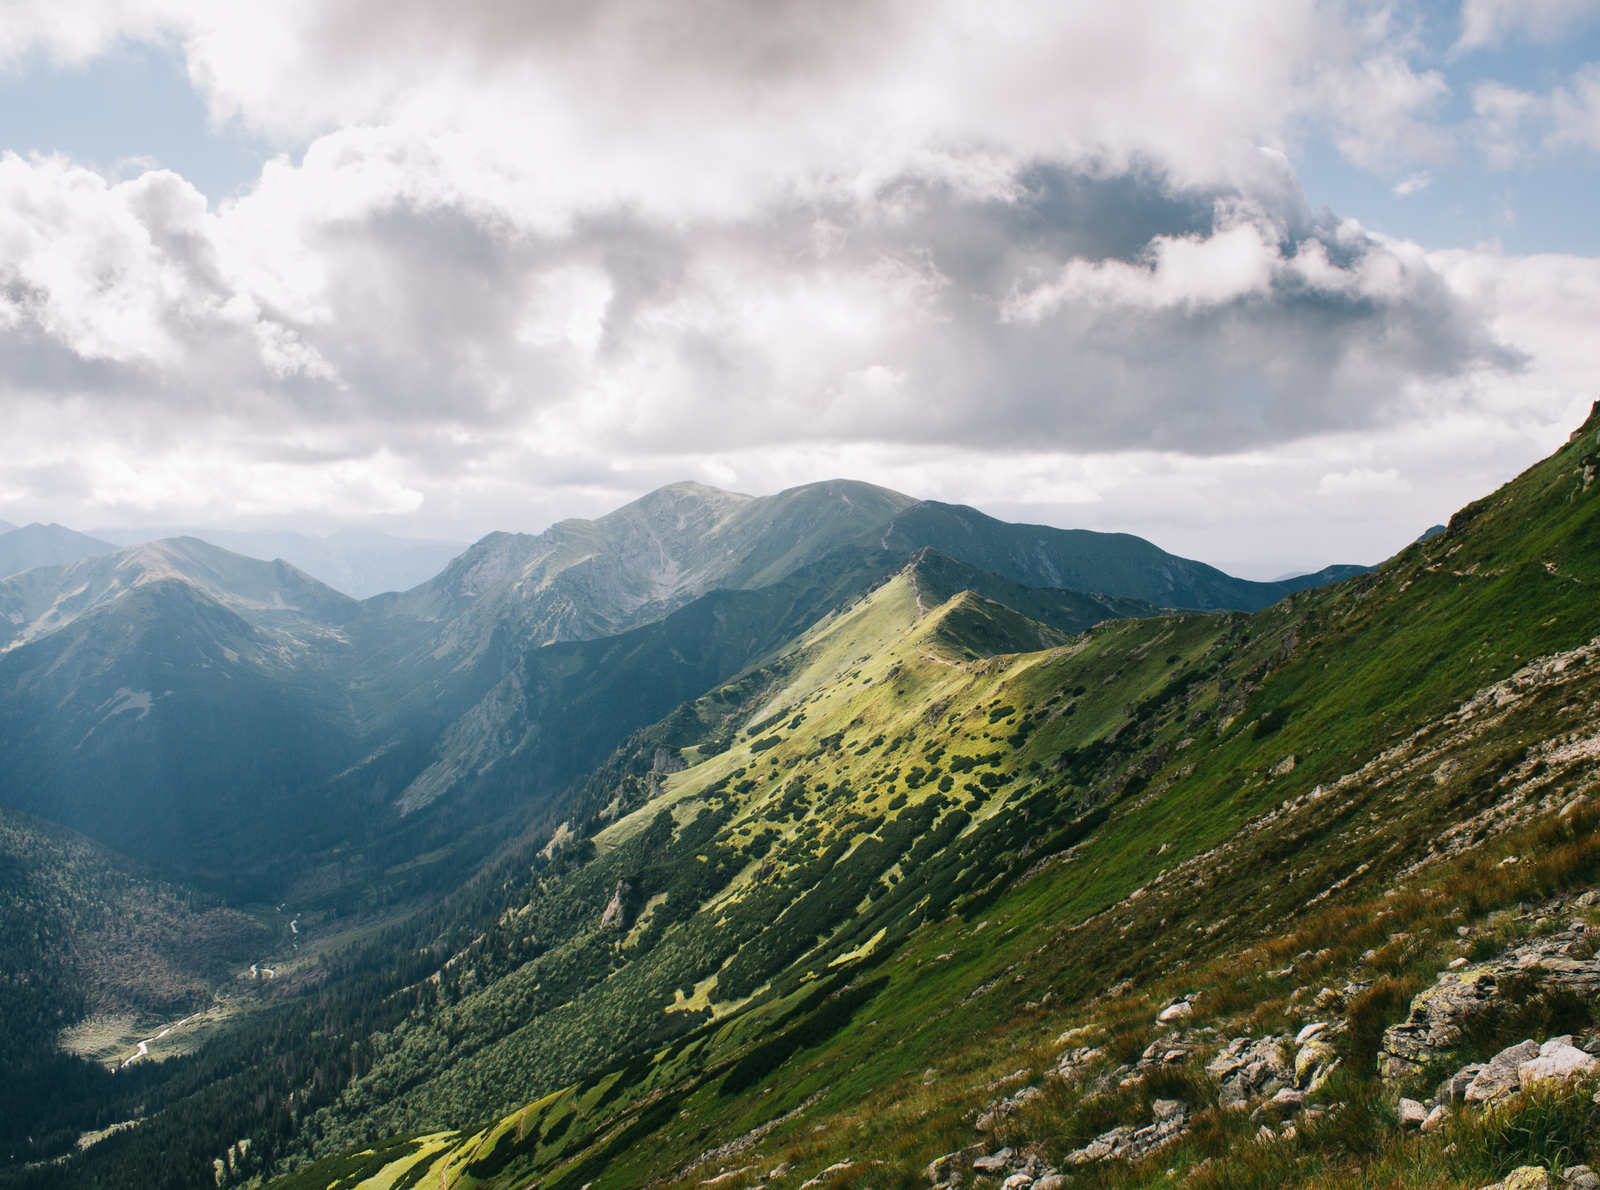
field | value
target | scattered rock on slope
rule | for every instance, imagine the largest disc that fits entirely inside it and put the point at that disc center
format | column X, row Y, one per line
column 1441, row 1014
column 1132, row 1144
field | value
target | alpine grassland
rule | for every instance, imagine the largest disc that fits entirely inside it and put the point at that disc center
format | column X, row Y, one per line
column 916, row 887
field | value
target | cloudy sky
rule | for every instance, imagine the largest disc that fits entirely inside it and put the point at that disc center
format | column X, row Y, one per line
column 1273, row 283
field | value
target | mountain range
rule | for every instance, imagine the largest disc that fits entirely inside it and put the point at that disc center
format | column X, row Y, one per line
column 243, row 721
column 829, row 838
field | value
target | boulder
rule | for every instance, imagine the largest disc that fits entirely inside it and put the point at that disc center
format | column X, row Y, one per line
column 1249, row 1069
column 1436, row 1118
column 1500, row 1077
column 1175, row 1012
column 997, row 1163
column 950, row 1168
column 1315, row 1061
column 1017, row 1181
column 1558, row 1059
column 1310, row 1031
column 1000, row 1109
column 1580, row 1177
column 1105, row 1145
column 1412, row 1114
column 1051, row 1181
column 1528, row 1177
column 1286, row 1103
column 1455, row 1087
column 1329, row 1000
column 837, row 1167
column 1167, row 1051
column 1075, row 1062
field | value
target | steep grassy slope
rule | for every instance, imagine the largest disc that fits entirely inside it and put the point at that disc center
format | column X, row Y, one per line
column 564, row 707
column 850, row 915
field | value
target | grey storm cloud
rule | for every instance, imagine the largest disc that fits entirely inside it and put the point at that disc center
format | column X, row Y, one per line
column 420, row 319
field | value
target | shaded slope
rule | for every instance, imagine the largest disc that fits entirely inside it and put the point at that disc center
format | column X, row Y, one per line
column 169, row 726
column 1118, row 564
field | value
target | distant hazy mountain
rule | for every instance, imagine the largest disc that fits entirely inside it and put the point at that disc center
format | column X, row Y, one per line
column 171, row 698
column 45, row 545
column 6, row 527
column 359, row 562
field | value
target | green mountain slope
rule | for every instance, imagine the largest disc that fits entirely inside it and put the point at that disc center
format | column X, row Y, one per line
column 821, row 944
column 565, row 706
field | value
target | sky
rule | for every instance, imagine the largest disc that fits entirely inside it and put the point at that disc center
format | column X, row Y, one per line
column 1272, row 283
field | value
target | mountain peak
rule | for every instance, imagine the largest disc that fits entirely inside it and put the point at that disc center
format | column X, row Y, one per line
column 46, row 545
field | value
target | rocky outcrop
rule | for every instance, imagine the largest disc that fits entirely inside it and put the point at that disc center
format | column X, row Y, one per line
column 616, row 913
column 1249, row 1069
column 1018, row 1170
column 1520, row 1067
column 1133, row 1144
column 1000, row 1109
column 1441, row 1015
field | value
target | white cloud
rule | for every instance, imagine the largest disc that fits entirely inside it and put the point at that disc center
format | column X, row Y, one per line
column 1414, row 184
column 1386, row 112
column 1514, row 125
column 1487, row 23
column 1361, row 482
column 1575, row 113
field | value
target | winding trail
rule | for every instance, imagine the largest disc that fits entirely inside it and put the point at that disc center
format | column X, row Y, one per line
column 144, row 1046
